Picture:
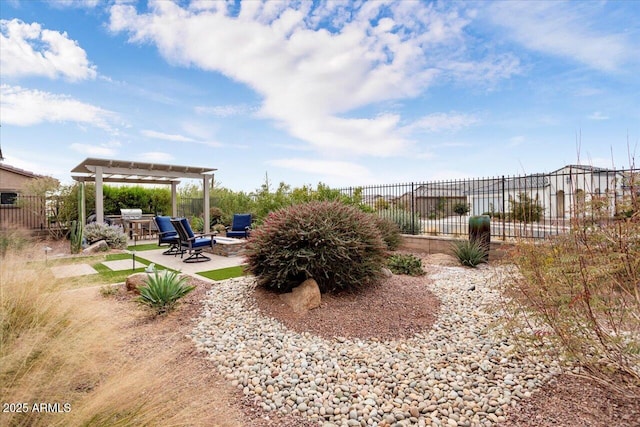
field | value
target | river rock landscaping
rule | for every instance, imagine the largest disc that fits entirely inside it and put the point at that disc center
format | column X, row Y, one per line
column 461, row 370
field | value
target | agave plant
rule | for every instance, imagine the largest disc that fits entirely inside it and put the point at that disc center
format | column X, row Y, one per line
column 163, row 290
column 469, row 252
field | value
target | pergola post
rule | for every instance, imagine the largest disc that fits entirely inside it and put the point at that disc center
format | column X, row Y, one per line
column 205, row 206
column 174, row 199
column 99, row 196
column 83, row 203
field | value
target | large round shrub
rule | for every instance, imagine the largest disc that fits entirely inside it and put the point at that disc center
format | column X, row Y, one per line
column 389, row 230
column 337, row 245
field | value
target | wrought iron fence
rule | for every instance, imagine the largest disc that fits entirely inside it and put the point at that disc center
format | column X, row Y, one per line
column 529, row 206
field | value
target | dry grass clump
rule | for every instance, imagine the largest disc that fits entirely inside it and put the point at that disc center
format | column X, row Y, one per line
column 90, row 360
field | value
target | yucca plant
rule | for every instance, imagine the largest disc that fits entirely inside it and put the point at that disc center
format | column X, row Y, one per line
column 163, row 290
column 469, row 252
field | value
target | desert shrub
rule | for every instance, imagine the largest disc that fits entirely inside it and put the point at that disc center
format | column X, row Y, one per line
column 461, row 208
column 219, row 228
column 405, row 264
column 337, row 245
column 389, row 231
column 215, row 216
column 469, row 253
column 163, row 290
column 525, row 209
column 197, row 224
column 405, row 221
column 112, row 234
column 583, row 290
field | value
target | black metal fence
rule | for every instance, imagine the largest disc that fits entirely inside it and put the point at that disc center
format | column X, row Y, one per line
column 529, row 206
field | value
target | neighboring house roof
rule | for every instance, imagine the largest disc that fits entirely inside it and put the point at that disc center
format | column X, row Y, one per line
column 442, row 189
column 523, row 183
column 587, row 168
column 18, row 171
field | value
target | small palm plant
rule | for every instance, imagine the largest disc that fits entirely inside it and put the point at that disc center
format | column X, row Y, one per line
column 163, row 290
column 469, row 252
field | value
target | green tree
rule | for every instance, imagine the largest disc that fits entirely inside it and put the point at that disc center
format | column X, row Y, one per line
column 526, row 209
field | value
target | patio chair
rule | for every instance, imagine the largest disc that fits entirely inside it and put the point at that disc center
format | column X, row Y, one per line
column 192, row 243
column 167, row 235
column 240, row 227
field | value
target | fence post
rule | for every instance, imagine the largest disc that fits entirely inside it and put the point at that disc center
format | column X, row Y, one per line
column 413, row 213
column 504, row 211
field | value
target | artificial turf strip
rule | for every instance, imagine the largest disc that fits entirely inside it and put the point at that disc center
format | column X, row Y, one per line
column 145, row 247
column 224, row 273
column 120, row 276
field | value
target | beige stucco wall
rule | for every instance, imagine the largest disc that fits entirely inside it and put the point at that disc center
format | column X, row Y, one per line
column 11, row 181
column 438, row 244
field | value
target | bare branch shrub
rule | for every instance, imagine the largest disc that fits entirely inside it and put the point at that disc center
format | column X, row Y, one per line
column 582, row 290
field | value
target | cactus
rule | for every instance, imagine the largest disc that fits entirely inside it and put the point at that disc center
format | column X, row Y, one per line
column 76, row 236
column 76, row 226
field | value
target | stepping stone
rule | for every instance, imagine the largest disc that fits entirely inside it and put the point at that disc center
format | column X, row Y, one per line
column 72, row 270
column 123, row 264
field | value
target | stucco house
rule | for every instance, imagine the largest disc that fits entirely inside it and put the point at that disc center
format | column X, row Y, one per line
column 560, row 193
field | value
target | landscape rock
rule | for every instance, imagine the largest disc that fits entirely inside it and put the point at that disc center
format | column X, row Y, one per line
column 464, row 371
column 304, row 297
column 386, row 273
column 99, row 246
column 134, row 281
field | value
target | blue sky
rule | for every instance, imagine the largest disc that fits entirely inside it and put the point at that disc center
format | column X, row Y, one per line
column 345, row 93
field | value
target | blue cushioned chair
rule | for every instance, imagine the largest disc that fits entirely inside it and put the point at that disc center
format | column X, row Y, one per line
column 167, row 235
column 240, row 227
column 191, row 243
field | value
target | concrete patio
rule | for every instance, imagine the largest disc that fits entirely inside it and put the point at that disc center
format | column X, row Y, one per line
column 217, row 261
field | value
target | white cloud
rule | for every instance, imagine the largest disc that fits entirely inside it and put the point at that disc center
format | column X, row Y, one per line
column 310, row 75
column 166, row 136
column 156, row 156
column 597, row 115
column 93, row 150
column 77, row 4
column 29, row 50
column 565, row 29
column 25, row 107
column 178, row 138
column 225, row 110
column 443, row 122
column 335, row 169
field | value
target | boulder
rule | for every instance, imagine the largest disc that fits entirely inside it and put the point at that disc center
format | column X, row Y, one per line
column 386, row 273
column 304, row 297
column 99, row 246
column 134, row 281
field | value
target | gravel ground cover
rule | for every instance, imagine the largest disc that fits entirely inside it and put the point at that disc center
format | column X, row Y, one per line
column 463, row 371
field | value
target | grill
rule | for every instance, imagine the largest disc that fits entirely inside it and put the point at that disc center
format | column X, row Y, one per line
column 129, row 215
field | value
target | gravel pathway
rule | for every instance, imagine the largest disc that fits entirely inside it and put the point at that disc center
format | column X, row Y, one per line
column 462, row 372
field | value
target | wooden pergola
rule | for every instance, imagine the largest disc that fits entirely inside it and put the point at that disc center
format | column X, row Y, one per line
column 123, row 171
